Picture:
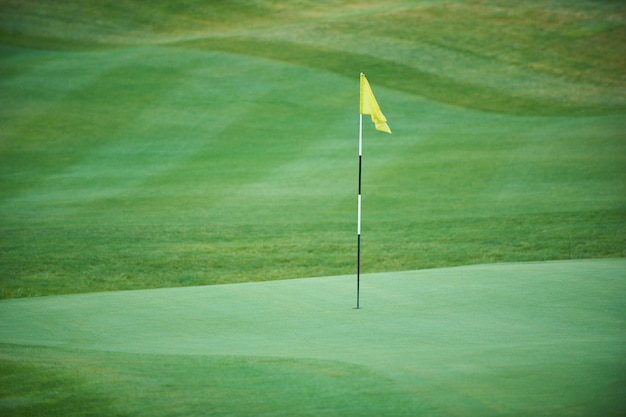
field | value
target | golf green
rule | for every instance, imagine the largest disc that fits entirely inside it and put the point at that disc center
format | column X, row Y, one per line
column 502, row 339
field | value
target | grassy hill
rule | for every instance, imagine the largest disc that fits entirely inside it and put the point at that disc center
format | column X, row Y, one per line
column 157, row 145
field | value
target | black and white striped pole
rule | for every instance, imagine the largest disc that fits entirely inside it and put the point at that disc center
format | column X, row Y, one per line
column 367, row 105
column 358, row 227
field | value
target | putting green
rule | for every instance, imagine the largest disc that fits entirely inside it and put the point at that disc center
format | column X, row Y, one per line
column 502, row 339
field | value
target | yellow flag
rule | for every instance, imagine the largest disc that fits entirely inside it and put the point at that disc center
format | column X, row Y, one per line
column 369, row 105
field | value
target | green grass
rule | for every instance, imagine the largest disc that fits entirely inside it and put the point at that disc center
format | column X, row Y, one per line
column 157, row 146
column 175, row 144
column 149, row 385
column 541, row 339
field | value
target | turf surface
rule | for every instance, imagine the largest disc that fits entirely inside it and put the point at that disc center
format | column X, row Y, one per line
column 159, row 146
column 167, row 144
column 543, row 339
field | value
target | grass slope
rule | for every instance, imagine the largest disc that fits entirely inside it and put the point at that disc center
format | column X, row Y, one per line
column 157, row 145
column 543, row 339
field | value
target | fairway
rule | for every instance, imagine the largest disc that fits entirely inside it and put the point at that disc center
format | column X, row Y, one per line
column 541, row 339
column 166, row 146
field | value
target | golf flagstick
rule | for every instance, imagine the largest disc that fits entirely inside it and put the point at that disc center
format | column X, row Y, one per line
column 367, row 105
column 358, row 227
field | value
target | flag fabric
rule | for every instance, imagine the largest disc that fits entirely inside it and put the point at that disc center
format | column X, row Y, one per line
column 369, row 105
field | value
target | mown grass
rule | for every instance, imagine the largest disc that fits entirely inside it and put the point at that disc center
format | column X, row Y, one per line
column 518, row 339
column 51, row 380
column 194, row 144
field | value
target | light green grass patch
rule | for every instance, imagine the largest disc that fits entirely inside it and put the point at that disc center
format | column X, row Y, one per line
column 507, row 339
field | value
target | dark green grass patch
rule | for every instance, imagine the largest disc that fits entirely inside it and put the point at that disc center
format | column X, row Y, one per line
column 440, row 87
column 555, row 58
column 52, row 260
column 56, row 382
column 517, row 57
